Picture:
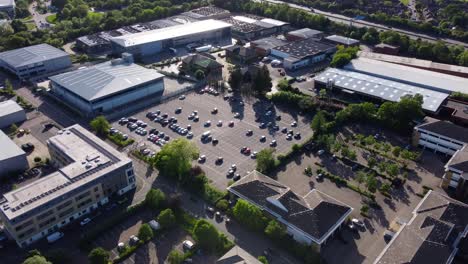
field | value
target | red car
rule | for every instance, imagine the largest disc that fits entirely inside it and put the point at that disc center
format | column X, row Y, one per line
column 247, row 151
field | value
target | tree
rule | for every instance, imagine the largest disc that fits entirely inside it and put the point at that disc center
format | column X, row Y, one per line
column 371, row 162
column 145, row 232
column 222, row 204
column 371, row 182
column 18, row 25
column 155, row 199
column 392, row 169
column 249, row 215
column 361, row 177
column 9, row 87
column 396, row 151
column 275, row 231
column 263, row 259
column 401, row 114
column 175, row 257
column 100, row 125
column 463, row 58
column 265, row 160
column 235, row 78
column 206, row 235
column 200, row 75
column 323, row 93
column 262, row 81
column 60, row 4
column 175, row 159
column 36, row 259
column 99, row 256
column 318, row 123
column 166, row 218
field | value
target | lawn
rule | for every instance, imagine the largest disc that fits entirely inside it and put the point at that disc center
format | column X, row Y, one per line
column 405, row 2
column 52, row 19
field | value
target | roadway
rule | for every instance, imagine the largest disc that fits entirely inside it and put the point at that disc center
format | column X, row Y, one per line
column 362, row 23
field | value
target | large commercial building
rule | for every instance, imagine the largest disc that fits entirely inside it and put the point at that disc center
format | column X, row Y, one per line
column 253, row 27
column 449, row 139
column 11, row 113
column 107, row 86
column 155, row 41
column 12, row 158
column 303, row 33
column 311, row 219
column 90, row 171
column 34, row 61
column 433, row 234
column 340, row 40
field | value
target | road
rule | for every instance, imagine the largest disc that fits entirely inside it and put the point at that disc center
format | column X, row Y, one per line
column 39, row 19
column 361, row 23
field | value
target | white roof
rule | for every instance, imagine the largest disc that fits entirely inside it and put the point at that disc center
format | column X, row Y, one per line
column 8, row 147
column 273, row 21
column 32, row 54
column 5, row 3
column 169, row 32
column 429, row 79
column 385, row 89
column 244, row 19
column 9, row 107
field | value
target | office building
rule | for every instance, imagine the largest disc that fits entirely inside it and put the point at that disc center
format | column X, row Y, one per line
column 107, row 87
column 37, row 60
column 11, row 113
column 433, row 234
column 12, row 158
column 303, row 53
column 151, row 42
column 89, row 172
column 292, row 210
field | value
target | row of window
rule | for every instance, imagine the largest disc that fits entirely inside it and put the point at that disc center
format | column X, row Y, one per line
column 442, row 138
column 437, row 144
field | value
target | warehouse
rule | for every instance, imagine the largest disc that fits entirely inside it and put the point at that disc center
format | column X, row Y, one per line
column 253, row 27
column 34, row 60
column 430, row 80
column 207, row 12
column 376, row 87
column 11, row 113
column 264, row 46
column 155, row 41
column 107, row 87
column 303, row 53
column 303, row 33
column 12, row 158
column 340, row 40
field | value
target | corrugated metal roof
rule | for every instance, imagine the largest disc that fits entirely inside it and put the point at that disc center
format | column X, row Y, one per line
column 105, row 79
column 342, row 40
column 170, row 32
column 424, row 78
column 31, row 54
column 379, row 87
column 9, row 107
column 9, row 148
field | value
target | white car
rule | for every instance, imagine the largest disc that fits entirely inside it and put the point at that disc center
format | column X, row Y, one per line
column 320, row 152
column 188, row 245
column 133, row 239
column 358, row 222
column 85, row 221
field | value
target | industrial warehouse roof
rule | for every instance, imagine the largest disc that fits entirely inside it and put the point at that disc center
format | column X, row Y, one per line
column 105, row 79
column 410, row 75
column 268, row 43
column 170, row 32
column 4, row 3
column 32, row 54
column 385, row 89
column 304, row 48
column 9, row 148
column 305, row 33
column 90, row 159
column 9, row 107
column 342, row 40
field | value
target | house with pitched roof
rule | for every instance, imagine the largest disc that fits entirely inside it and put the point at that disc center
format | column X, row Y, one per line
column 310, row 219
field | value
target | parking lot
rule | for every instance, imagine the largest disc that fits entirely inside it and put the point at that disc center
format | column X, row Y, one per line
column 230, row 138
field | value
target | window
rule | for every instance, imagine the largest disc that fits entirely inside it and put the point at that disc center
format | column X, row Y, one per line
column 45, row 223
column 65, row 204
column 130, row 173
column 23, row 225
column 81, row 196
column 44, row 215
column 66, row 212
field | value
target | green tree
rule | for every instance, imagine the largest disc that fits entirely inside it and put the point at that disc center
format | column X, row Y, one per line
column 155, row 199
column 401, row 114
column 200, row 75
column 463, row 58
column 145, row 232
column 9, row 87
column 175, row 159
column 263, row 259
column 371, row 182
column 275, row 231
column 265, row 160
column 318, row 123
column 59, row 3
column 323, row 93
column 361, row 177
column 262, row 81
column 371, row 162
column 206, row 235
column 392, row 169
column 235, row 78
column 249, row 215
column 100, row 125
column 166, row 218
column 222, row 204
column 175, row 257
column 36, row 259
column 98, row 256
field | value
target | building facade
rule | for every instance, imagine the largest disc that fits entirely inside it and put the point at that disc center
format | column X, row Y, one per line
column 107, row 87
column 32, row 61
column 12, row 158
column 89, row 172
column 11, row 113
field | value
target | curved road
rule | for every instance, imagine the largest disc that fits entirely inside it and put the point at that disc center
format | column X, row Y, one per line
column 362, row 23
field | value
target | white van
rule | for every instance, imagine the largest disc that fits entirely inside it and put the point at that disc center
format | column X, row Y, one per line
column 205, row 134
column 54, row 237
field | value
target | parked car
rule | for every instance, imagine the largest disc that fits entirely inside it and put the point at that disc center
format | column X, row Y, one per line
column 54, row 237
column 28, row 147
column 358, row 222
column 133, row 240
column 85, row 221
column 188, row 245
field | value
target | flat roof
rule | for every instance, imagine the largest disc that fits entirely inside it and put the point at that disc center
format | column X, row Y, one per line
column 274, row 22
column 342, row 40
column 445, row 128
column 9, row 107
column 105, row 79
column 91, row 158
column 170, row 32
column 269, row 43
column 9, row 148
column 414, row 62
column 410, row 75
column 4, row 3
column 305, row 32
column 305, row 47
column 32, row 54
column 382, row 88
column 460, row 109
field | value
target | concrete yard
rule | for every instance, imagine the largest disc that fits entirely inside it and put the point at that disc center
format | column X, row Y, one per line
column 231, row 139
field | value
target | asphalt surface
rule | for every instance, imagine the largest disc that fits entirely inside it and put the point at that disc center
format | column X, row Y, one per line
column 361, row 23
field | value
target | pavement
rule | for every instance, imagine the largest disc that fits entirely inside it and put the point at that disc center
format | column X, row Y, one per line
column 362, row 23
column 40, row 19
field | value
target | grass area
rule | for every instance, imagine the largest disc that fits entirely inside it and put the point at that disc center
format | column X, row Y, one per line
column 52, row 19
column 405, row 2
column 30, row 26
column 117, row 139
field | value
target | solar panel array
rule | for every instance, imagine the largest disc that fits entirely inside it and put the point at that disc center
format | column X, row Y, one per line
column 379, row 87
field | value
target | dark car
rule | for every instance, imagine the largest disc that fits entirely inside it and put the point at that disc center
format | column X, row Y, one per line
column 236, row 177
column 28, row 147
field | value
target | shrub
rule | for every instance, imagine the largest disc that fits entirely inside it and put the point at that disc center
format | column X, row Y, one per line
column 145, row 232
column 175, row 257
column 37, row 159
column 222, row 204
column 263, row 259
column 166, row 218
column 99, row 256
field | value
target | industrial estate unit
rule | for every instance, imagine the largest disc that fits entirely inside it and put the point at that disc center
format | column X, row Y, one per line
column 12, row 158
column 11, row 113
column 89, row 172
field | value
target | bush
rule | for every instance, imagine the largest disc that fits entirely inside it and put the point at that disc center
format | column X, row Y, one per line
column 155, row 199
column 213, row 195
column 166, row 218
column 145, row 232
column 206, row 235
column 365, row 210
column 175, row 257
column 249, row 215
column 222, row 205
column 99, row 256
column 37, row 159
column 263, row 259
